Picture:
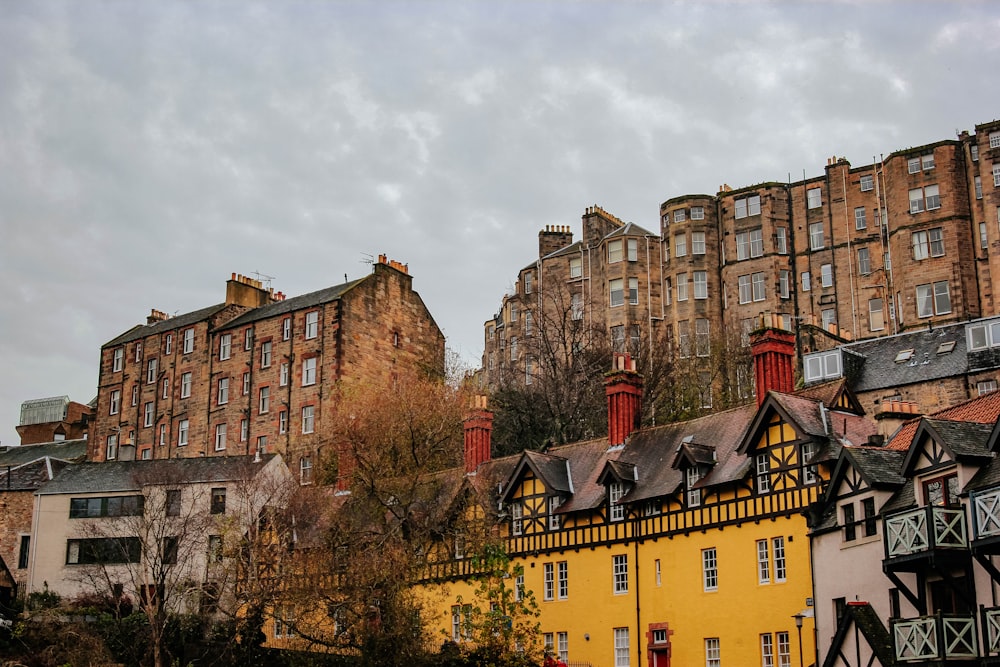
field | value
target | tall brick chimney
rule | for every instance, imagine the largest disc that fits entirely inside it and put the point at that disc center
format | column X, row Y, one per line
column 478, row 428
column 248, row 292
column 773, row 351
column 623, row 387
column 552, row 238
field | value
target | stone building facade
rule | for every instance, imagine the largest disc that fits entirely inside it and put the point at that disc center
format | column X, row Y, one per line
column 910, row 241
column 255, row 374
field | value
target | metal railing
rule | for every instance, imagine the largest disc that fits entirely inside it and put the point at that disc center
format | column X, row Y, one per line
column 938, row 637
column 925, row 528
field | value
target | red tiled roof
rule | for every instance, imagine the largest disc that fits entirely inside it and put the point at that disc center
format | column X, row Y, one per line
column 980, row 410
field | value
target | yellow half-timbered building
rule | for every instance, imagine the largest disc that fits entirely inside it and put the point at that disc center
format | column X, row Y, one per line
column 684, row 544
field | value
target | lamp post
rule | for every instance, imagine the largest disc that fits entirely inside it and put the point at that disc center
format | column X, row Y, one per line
column 798, row 626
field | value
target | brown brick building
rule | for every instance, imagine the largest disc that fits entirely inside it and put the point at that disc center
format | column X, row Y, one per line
column 51, row 419
column 255, row 373
column 859, row 252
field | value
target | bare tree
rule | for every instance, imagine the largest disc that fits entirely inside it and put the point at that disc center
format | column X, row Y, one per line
column 163, row 546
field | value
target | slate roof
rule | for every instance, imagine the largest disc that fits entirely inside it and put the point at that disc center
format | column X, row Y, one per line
column 881, row 370
column 574, row 247
column 292, row 304
column 879, row 466
column 169, row 324
column 827, row 392
column 119, row 476
column 629, row 229
column 30, row 476
column 964, row 439
column 66, row 450
column 554, row 469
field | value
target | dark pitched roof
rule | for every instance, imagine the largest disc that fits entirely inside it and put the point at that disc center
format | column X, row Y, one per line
column 66, row 450
column 574, row 247
column 292, row 304
column 879, row 466
column 964, row 439
column 30, row 476
column 169, row 324
column 881, row 370
column 629, row 229
column 119, row 476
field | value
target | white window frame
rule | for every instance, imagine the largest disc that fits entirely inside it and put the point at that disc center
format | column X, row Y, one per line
column 562, row 580
column 117, row 359
column 701, row 284
column 619, row 571
column 691, row 477
column 225, row 346
column 282, row 422
column 246, row 383
column 115, row 402
column 826, row 275
column 283, row 374
column 742, row 246
column 784, row 649
column 220, row 437
column 682, row 286
column 286, row 328
column 781, row 240
column 186, row 385
column 709, row 569
column 548, row 582
column 616, row 510
column 713, row 654
column 806, row 281
column 516, row 518
column 680, row 245
column 622, row 648
column 817, row 239
column 864, row 261
column 222, row 397
column 309, row 371
column 188, row 342
column 867, row 183
column 168, row 343
column 264, row 400
column 876, row 316
column 633, row 291
column 762, row 468
column 552, row 504
column 763, row 562
column 305, row 471
column 806, row 451
column 575, row 267
column 744, row 291
column 779, row 560
column 814, row 198
column 111, row 447
column 697, row 243
column 182, row 432
column 616, row 292
column 632, row 249
column 265, row 354
column 615, row 254
column 756, row 242
column 766, row 650
column 147, row 414
column 860, row 218
column 928, row 296
column 697, row 212
column 680, row 215
column 758, row 286
column 308, row 419
column 312, row 324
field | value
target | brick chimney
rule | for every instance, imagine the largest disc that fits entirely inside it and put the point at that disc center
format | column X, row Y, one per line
column 773, row 351
column 623, row 387
column 248, row 292
column 552, row 238
column 478, row 427
column 156, row 316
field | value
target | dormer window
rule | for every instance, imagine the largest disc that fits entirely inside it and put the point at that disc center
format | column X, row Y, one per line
column 763, row 466
column 616, row 511
column 691, row 477
column 554, row 519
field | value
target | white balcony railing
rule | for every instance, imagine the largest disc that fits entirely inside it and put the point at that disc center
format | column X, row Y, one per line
column 941, row 637
column 986, row 509
column 991, row 627
column 925, row 528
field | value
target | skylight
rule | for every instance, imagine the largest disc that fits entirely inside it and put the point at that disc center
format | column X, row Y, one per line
column 904, row 355
column 946, row 347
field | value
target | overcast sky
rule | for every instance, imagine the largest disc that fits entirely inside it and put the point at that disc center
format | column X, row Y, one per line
column 148, row 150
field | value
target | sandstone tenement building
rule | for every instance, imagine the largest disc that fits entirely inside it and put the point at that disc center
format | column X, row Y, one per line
column 255, row 373
column 910, row 241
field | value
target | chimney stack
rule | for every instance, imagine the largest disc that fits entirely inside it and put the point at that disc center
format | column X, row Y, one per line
column 773, row 351
column 623, row 387
column 552, row 238
column 155, row 316
column 478, row 426
column 246, row 291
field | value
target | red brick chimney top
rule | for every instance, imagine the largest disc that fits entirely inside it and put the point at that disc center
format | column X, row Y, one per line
column 399, row 266
column 623, row 387
column 478, row 427
column 773, row 353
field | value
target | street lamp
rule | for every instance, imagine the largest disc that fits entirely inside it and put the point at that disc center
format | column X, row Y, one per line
column 798, row 626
